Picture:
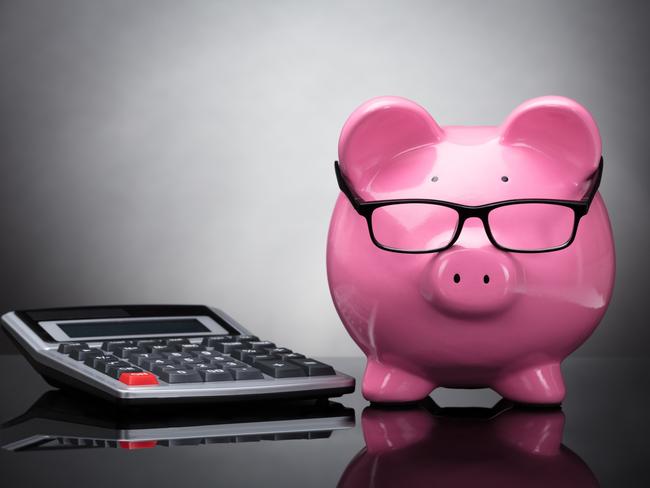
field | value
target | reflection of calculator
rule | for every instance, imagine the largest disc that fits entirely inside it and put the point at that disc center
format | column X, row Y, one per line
column 60, row 420
column 165, row 353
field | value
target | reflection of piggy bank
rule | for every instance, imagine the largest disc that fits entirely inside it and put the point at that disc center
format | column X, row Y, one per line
column 516, row 448
column 441, row 286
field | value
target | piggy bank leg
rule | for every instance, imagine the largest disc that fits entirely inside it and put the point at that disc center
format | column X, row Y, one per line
column 388, row 384
column 540, row 385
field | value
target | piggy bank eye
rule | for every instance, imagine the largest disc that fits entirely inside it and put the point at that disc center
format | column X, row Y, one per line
column 504, row 179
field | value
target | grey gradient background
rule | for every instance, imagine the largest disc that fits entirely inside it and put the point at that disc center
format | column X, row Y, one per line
column 167, row 151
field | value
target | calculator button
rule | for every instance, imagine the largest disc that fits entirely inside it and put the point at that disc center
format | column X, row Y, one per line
column 68, row 346
column 258, row 345
column 175, row 355
column 149, row 363
column 276, row 351
column 111, row 346
column 279, row 368
column 252, row 360
column 138, row 379
column 155, row 348
column 82, row 354
column 214, row 374
column 190, row 361
column 205, row 354
column 116, row 372
column 212, row 340
column 92, row 361
column 158, row 368
column 102, row 365
column 188, row 347
column 200, row 366
column 313, row 367
column 245, row 373
column 220, row 361
column 228, row 347
column 180, row 376
column 291, row 355
column 227, row 362
column 246, row 337
column 140, row 357
column 144, row 343
column 126, row 351
column 245, row 354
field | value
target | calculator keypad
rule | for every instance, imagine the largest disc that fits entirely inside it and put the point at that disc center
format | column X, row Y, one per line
column 178, row 360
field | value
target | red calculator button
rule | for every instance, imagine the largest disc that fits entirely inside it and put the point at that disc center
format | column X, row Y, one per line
column 138, row 379
column 137, row 444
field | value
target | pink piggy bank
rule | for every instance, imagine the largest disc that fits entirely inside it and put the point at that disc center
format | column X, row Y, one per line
column 469, row 257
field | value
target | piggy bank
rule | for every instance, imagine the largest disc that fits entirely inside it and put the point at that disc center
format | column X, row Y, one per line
column 469, row 257
column 505, row 447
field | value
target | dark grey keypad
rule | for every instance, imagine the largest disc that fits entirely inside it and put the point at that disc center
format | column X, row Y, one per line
column 215, row 359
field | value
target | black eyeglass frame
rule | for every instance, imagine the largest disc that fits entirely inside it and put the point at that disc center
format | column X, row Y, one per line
column 365, row 209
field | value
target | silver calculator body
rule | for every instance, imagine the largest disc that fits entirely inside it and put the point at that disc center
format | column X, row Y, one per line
column 193, row 331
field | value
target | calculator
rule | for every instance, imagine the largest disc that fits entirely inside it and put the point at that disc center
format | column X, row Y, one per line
column 138, row 354
column 60, row 420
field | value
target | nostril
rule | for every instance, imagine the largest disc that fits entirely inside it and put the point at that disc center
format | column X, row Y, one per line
column 456, row 278
column 486, row 279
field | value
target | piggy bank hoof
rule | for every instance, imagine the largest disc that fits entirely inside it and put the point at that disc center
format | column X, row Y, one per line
column 536, row 386
column 387, row 384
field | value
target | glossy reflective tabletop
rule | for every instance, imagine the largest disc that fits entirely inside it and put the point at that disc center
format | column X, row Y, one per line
column 458, row 439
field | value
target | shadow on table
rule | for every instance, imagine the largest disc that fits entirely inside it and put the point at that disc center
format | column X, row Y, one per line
column 504, row 446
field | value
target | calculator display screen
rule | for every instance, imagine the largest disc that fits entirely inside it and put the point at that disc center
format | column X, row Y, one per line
column 106, row 328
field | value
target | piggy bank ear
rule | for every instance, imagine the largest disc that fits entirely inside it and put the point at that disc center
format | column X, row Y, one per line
column 558, row 127
column 379, row 130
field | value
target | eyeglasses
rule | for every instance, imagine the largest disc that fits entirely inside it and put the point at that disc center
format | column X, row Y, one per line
column 418, row 226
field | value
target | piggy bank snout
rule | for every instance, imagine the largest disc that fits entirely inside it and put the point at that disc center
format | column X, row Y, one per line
column 471, row 281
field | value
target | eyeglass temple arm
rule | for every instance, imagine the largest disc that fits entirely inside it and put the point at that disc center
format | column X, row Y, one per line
column 595, row 183
column 345, row 188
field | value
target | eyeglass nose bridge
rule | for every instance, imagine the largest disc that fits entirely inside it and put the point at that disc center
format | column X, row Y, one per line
column 468, row 214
